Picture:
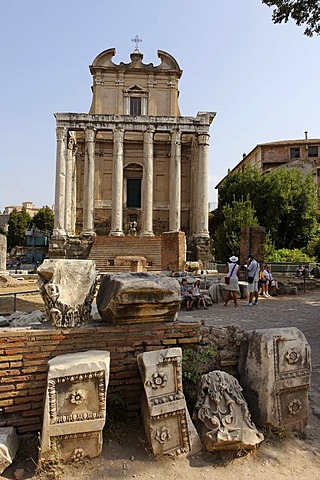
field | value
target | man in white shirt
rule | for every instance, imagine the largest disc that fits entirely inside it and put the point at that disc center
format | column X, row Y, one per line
column 253, row 280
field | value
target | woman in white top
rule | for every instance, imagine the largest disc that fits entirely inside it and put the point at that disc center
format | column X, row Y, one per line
column 233, row 287
column 197, row 297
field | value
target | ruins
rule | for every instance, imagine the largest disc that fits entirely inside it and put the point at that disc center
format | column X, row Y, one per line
column 222, row 414
column 67, row 288
column 275, row 373
column 75, row 406
column 132, row 165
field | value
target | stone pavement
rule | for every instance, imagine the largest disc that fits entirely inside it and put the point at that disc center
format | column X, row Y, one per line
column 301, row 311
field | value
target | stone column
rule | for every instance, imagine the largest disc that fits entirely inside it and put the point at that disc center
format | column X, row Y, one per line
column 202, row 187
column 88, row 191
column 147, row 185
column 175, row 182
column 71, row 152
column 117, row 184
column 59, row 229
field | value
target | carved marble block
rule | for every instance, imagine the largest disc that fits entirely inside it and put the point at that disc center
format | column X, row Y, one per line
column 3, row 253
column 138, row 298
column 222, row 414
column 8, row 447
column 75, row 406
column 164, row 412
column 275, row 373
column 67, row 288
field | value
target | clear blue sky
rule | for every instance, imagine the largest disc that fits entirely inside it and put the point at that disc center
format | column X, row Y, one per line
column 261, row 79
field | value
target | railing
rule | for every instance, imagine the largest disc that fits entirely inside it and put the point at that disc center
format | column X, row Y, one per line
column 15, row 294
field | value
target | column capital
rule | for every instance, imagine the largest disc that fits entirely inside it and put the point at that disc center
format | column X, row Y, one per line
column 203, row 138
column 72, row 141
column 90, row 134
column 61, row 133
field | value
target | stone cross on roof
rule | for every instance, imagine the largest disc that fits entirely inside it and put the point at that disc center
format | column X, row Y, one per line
column 136, row 40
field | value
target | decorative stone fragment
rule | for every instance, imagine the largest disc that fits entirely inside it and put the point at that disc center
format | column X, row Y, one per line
column 275, row 370
column 75, row 406
column 222, row 414
column 3, row 253
column 167, row 424
column 138, row 298
column 67, row 288
column 8, row 447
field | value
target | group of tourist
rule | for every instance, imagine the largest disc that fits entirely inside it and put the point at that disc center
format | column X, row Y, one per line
column 191, row 295
column 259, row 279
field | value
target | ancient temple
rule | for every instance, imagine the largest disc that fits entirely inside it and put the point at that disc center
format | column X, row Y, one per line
column 133, row 164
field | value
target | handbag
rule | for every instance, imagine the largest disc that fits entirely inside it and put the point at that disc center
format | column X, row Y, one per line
column 250, row 279
column 227, row 279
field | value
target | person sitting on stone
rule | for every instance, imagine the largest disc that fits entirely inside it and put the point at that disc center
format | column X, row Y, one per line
column 197, row 297
column 299, row 271
column 186, row 295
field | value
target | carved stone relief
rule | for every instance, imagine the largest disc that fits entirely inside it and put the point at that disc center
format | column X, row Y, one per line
column 165, row 416
column 222, row 414
column 275, row 369
column 67, row 288
column 75, row 406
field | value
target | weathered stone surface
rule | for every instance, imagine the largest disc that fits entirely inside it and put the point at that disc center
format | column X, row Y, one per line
column 275, row 369
column 75, row 406
column 166, row 420
column 3, row 253
column 67, row 288
column 8, row 447
column 138, row 298
column 222, row 414
column 27, row 319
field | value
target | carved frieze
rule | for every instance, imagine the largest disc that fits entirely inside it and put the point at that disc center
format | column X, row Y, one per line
column 275, row 369
column 222, row 414
column 75, row 406
column 166, row 420
column 67, row 288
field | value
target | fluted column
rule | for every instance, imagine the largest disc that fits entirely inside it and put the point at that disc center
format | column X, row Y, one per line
column 89, row 174
column 117, row 184
column 59, row 229
column 202, row 187
column 70, row 179
column 147, row 185
column 175, row 182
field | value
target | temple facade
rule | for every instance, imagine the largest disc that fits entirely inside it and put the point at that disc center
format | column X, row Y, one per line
column 133, row 163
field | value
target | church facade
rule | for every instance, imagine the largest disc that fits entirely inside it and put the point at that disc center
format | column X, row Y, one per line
column 133, row 162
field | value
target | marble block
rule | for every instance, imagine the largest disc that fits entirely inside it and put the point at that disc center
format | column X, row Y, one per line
column 167, row 424
column 138, row 298
column 222, row 414
column 67, row 288
column 75, row 406
column 275, row 370
column 8, row 447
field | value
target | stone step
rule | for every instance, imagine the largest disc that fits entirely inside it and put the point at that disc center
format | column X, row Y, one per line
column 105, row 249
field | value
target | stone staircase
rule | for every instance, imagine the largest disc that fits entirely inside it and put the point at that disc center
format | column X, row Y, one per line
column 105, row 249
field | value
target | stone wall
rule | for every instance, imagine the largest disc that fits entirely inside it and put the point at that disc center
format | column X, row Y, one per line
column 24, row 355
column 173, row 251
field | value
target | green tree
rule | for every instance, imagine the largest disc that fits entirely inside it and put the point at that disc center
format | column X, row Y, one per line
column 17, row 226
column 284, row 201
column 239, row 214
column 43, row 220
column 303, row 12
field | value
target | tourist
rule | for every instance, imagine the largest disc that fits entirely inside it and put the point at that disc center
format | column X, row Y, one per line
column 197, row 297
column 186, row 295
column 299, row 271
column 271, row 282
column 262, row 284
column 232, row 288
column 18, row 264
column 253, row 280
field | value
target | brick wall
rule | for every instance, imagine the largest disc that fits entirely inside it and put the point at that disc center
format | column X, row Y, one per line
column 24, row 355
column 173, row 251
